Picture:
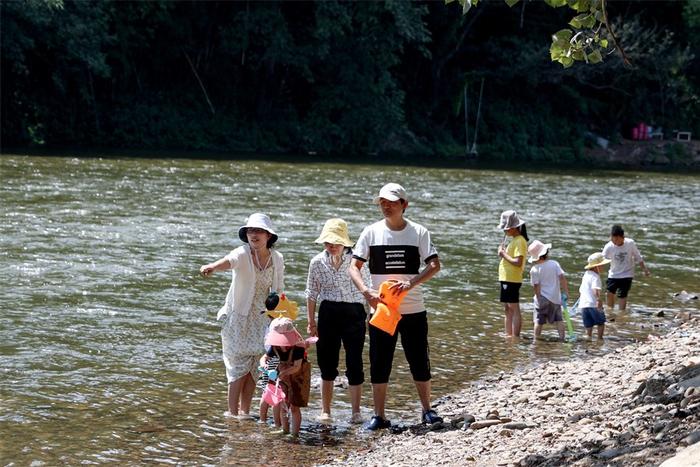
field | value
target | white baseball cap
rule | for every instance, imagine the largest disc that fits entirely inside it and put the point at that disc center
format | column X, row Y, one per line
column 391, row 192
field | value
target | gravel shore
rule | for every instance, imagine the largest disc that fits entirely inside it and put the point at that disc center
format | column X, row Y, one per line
column 637, row 405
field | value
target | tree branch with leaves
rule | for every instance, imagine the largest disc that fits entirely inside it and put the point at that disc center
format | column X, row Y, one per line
column 589, row 38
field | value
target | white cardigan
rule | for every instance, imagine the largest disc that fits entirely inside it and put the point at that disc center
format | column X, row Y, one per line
column 242, row 290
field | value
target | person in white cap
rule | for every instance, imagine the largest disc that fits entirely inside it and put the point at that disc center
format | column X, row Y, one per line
column 548, row 280
column 401, row 250
column 256, row 269
column 341, row 316
column 511, row 268
column 590, row 301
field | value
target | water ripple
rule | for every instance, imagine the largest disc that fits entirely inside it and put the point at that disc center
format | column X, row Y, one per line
column 110, row 347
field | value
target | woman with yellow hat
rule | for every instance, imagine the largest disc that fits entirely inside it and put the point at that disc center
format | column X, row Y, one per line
column 341, row 316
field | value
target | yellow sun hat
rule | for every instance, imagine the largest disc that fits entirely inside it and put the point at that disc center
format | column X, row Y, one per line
column 335, row 231
column 596, row 259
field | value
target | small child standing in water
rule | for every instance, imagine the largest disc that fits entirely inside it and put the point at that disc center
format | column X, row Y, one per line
column 269, row 367
column 591, row 301
column 547, row 278
column 294, row 371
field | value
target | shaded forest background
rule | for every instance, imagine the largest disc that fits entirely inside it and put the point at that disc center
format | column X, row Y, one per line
column 342, row 78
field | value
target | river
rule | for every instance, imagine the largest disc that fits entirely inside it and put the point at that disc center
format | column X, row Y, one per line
column 109, row 345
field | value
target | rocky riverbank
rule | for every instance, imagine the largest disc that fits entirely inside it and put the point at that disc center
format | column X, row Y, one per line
column 652, row 154
column 638, row 405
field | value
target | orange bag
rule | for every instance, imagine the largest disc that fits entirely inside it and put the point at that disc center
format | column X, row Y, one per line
column 386, row 317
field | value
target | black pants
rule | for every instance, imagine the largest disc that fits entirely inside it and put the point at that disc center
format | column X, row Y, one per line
column 341, row 322
column 414, row 340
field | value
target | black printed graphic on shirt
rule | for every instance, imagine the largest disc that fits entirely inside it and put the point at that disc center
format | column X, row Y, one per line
column 394, row 259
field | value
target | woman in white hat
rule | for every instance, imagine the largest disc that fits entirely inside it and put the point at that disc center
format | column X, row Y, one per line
column 341, row 316
column 511, row 268
column 256, row 270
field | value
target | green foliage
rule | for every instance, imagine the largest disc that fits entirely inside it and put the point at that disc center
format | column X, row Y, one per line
column 338, row 77
column 586, row 41
column 691, row 14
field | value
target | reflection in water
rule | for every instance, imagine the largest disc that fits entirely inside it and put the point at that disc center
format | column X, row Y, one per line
column 110, row 350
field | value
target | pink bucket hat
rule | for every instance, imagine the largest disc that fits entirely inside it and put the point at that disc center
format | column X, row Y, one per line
column 283, row 333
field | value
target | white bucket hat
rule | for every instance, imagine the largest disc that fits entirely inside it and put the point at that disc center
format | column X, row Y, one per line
column 596, row 259
column 510, row 220
column 335, row 231
column 537, row 249
column 392, row 192
column 257, row 221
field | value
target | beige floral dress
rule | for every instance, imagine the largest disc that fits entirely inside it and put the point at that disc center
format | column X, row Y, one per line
column 243, row 335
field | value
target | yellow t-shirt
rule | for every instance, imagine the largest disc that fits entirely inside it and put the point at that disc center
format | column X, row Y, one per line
column 506, row 271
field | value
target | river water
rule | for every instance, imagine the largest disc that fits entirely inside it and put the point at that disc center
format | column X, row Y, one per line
column 108, row 341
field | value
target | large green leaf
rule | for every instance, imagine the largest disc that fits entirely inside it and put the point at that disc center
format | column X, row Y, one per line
column 563, row 35
column 584, row 20
column 566, row 61
column 580, row 5
column 595, row 57
column 578, row 55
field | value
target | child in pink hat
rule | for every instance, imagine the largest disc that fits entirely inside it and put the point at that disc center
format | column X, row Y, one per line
column 286, row 343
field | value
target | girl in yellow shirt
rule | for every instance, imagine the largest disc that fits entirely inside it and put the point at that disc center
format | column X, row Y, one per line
column 511, row 268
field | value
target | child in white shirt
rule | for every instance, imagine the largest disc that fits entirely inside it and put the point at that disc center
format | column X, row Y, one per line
column 623, row 255
column 590, row 300
column 547, row 278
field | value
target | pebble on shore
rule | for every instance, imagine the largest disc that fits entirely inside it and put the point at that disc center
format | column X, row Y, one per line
column 638, row 405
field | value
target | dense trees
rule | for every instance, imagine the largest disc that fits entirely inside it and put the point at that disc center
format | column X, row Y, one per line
column 335, row 77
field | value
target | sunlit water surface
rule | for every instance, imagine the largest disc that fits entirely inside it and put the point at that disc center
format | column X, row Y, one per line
column 108, row 341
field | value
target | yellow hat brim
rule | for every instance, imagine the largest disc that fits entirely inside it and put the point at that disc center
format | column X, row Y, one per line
column 334, row 239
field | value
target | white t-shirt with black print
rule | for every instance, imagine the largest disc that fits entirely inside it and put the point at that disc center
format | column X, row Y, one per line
column 396, row 255
column 623, row 258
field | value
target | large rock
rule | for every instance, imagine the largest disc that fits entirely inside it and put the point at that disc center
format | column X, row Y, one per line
column 688, row 457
